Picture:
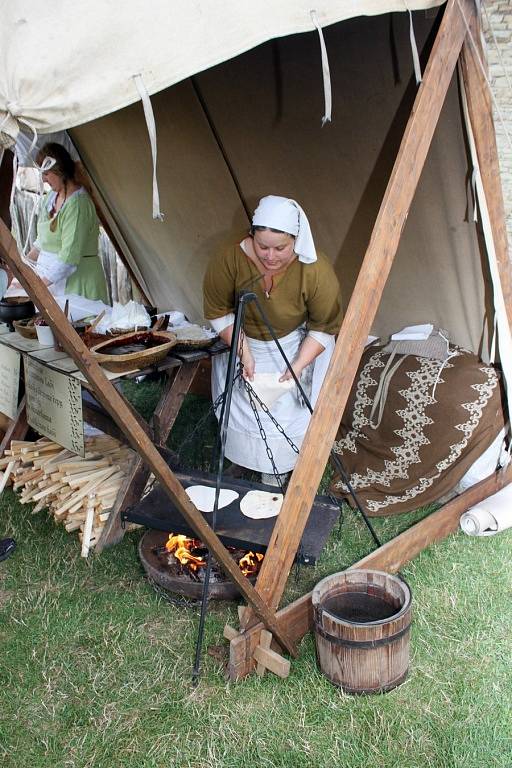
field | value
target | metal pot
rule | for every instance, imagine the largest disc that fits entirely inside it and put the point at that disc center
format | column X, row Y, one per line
column 16, row 308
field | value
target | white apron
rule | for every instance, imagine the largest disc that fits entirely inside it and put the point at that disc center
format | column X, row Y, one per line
column 244, row 445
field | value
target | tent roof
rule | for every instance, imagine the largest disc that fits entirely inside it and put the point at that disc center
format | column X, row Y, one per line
column 65, row 64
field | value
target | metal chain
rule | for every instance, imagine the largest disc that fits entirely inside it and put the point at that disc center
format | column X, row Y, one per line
column 169, row 597
column 253, row 396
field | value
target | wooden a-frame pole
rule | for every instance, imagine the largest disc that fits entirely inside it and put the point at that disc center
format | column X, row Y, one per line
column 363, row 305
column 480, row 115
column 112, row 401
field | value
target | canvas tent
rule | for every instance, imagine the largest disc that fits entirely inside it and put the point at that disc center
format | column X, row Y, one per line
column 251, row 126
column 238, row 99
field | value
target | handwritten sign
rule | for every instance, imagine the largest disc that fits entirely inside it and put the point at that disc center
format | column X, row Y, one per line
column 54, row 405
column 9, row 381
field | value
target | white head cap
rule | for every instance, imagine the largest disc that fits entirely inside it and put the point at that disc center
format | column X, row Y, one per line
column 286, row 215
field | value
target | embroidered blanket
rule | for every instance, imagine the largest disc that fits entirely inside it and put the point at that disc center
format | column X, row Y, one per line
column 413, row 426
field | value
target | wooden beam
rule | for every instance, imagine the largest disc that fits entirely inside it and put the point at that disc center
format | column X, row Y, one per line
column 163, row 421
column 171, row 401
column 298, row 616
column 363, row 305
column 18, row 427
column 481, row 118
column 113, row 402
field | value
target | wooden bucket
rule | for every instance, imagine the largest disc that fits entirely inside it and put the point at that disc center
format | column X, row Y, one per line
column 362, row 623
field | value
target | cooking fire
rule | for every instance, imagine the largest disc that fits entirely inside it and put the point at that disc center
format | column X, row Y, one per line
column 189, row 556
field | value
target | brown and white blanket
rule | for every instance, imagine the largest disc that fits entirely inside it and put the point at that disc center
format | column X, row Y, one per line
column 413, row 426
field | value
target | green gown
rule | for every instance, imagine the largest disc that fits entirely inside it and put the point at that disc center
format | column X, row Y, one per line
column 75, row 242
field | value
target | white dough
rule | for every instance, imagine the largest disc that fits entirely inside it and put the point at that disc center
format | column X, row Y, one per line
column 204, row 497
column 268, row 387
column 261, row 504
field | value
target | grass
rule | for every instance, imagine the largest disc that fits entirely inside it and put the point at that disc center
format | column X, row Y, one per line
column 96, row 666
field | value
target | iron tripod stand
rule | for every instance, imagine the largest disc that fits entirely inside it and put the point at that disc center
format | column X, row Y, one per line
column 243, row 298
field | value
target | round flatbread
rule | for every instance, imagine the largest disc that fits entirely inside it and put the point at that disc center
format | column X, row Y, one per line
column 204, row 497
column 261, row 504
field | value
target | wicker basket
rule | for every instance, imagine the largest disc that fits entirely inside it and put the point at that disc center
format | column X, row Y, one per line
column 26, row 328
column 184, row 343
column 133, row 360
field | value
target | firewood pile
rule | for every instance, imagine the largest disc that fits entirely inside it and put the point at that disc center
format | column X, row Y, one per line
column 78, row 492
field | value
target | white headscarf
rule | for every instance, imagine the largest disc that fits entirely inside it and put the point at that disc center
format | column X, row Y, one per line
column 286, row 215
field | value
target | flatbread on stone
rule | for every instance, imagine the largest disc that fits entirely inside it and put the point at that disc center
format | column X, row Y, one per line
column 203, row 496
column 259, row 505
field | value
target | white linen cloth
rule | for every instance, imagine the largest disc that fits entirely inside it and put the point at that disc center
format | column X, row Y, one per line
column 244, row 444
column 491, row 516
column 286, row 215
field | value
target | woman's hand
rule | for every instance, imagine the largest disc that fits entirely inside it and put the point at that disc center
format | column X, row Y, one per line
column 244, row 351
column 247, row 362
column 308, row 351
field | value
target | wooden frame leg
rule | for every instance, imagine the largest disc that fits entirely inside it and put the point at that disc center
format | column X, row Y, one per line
column 163, row 421
column 18, row 427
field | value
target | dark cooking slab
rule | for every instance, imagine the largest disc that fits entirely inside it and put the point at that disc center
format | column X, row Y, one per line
column 233, row 528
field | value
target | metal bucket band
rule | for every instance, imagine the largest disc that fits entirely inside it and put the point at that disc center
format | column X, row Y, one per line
column 363, row 644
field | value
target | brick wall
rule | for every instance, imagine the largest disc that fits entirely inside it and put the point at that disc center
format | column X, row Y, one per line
column 498, row 15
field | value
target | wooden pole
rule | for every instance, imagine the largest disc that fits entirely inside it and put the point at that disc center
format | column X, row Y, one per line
column 363, row 305
column 113, row 402
column 481, row 117
column 298, row 616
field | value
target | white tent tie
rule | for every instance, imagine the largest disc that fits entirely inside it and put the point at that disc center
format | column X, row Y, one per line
column 46, row 165
column 414, row 49
column 325, row 71
column 150, row 122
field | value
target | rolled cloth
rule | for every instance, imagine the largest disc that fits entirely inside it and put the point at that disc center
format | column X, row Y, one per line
column 286, row 215
column 491, row 516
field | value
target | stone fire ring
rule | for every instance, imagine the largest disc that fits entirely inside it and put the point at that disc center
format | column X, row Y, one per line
column 179, row 585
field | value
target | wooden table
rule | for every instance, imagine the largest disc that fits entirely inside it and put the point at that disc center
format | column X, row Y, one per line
column 179, row 368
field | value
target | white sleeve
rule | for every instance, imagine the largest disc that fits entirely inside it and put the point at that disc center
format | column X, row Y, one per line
column 323, row 338
column 220, row 323
column 52, row 268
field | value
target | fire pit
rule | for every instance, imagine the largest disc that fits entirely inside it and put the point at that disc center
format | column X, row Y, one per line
column 177, row 563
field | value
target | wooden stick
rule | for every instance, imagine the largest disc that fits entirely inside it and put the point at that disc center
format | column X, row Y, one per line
column 6, row 475
column 87, row 530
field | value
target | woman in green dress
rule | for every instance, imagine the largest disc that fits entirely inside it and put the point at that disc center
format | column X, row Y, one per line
column 66, row 248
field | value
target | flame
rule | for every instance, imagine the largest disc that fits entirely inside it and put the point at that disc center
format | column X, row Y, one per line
column 180, row 546
column 250, row 563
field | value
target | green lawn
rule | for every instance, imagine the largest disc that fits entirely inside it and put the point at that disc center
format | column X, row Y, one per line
column 96, row 666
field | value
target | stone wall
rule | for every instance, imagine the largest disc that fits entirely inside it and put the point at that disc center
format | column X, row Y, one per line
column 497, row 18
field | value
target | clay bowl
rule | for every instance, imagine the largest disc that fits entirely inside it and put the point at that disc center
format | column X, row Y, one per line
column 134, row 350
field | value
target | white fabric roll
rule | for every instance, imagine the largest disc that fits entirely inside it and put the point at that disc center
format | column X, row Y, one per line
column 491, row 516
